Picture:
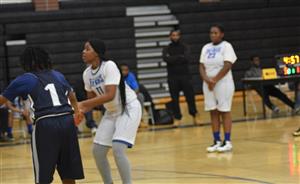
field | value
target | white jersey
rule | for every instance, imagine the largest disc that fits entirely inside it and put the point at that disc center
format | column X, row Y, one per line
column 107, row 74
column 213, row 57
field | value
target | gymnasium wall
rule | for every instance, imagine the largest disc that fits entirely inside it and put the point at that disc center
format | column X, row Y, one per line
column 2, row 59
column 263, row 27
column 64, row 32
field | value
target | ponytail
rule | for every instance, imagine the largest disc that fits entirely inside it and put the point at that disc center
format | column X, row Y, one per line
column 122, row 89
column 122, row 86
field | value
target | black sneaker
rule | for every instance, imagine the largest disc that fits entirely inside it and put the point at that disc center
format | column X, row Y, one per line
column 296, row 109
column 1, row 138
column 10, row 137
column 297, row 132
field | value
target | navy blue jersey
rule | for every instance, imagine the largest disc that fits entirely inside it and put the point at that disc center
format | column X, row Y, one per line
column 47, row 90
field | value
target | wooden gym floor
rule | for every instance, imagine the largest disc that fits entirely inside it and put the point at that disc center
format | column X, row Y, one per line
column 264, row 152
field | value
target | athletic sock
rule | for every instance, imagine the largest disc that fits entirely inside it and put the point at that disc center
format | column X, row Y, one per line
column 217, row 136
column 29, row 128
column 227, row 136
column 9, row 130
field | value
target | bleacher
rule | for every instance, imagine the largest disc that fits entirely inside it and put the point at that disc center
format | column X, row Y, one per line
column 2, row 59
column 64, row 32
column 263, row 27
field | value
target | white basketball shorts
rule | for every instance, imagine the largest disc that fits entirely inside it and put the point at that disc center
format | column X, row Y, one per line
column 220, row 98
column 120, row 128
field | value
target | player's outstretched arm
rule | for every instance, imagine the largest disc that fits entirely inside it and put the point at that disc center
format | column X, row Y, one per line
column 3, row 100
column 90, row 94
column 88, row 105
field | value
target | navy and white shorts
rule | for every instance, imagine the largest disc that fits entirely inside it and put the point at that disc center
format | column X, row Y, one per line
column 55, row 145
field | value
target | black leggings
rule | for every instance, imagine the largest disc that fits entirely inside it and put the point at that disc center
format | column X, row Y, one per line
column 3, row 120
column 270, row 90
column 182, row 83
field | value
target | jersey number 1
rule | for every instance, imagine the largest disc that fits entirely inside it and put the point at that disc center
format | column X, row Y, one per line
column 53, row 94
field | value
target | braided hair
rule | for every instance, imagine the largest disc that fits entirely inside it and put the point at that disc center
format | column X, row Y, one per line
column 34, row 59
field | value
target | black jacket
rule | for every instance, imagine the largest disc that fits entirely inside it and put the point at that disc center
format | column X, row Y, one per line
column 177, row 56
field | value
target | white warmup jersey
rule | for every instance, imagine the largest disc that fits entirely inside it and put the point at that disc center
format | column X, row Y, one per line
column 115, row 126
column 213, row 58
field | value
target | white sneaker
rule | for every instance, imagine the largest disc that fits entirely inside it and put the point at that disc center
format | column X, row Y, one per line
column 227, row 146
column 94, row 130
column 297, row 133
column 214, row 147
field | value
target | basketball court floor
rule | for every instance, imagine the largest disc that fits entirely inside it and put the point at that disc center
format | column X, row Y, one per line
column 264, row 152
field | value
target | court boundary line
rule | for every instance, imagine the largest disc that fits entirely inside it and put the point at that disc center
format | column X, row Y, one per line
column 207, row 174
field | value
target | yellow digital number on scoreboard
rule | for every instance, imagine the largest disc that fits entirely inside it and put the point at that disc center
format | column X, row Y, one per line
column 288, row 64
column 293, row 59
column 269, row 73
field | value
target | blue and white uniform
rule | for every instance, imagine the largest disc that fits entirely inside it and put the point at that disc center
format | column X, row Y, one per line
column 213, row 58
column 115, row 126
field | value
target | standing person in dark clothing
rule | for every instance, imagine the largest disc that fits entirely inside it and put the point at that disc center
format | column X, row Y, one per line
column 176, row 55
column 3, row 121
column 269, row 90
column 5, row 126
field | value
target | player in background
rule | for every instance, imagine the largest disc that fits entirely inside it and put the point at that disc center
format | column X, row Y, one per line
column 5, row 111
column 132, row 82
column 216, row 60
column 21, row 111
column 54, row 138
column 105, row 85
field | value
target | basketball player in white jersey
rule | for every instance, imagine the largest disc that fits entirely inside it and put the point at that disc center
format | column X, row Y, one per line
column 216, row 61
column 117, row 130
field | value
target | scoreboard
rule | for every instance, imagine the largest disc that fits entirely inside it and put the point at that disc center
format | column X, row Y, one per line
column 288, row 64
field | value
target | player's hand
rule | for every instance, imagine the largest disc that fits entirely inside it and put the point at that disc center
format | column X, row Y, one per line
column 82, row 108
column 25, row 112
column 211, row 87
column 211, row 84
column 78, row 117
